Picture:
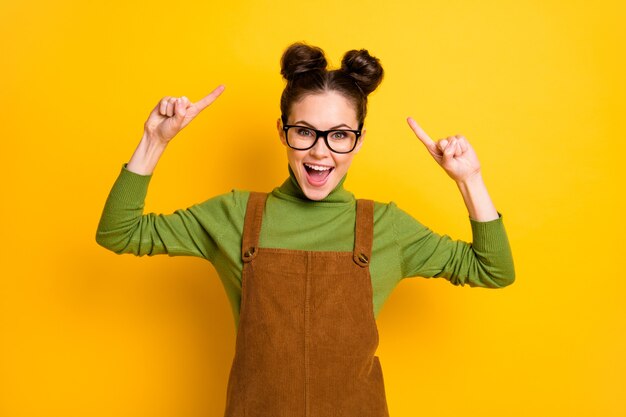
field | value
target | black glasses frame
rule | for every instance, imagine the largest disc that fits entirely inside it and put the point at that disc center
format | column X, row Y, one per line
column 321, row 133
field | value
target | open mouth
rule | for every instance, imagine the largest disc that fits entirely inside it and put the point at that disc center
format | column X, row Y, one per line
column 317, row 174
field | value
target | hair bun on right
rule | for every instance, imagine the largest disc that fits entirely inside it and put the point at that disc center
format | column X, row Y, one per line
column 364, row 68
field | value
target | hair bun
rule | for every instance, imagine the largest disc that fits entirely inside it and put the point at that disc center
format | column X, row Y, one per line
column 364, row 68
column 300, row 58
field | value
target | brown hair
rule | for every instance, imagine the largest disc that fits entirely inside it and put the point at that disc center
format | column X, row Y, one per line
column 304, row 68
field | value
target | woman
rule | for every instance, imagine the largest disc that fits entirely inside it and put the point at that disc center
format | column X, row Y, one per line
column 307, row 267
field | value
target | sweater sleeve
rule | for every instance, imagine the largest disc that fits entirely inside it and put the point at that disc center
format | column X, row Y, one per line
column 124, row 228
column 486, row 262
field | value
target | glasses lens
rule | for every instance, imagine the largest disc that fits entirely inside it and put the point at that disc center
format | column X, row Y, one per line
column 300, row 137
column 341, row 140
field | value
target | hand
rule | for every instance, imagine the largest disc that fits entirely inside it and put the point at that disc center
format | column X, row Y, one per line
column 455, row 155
column 172, row 114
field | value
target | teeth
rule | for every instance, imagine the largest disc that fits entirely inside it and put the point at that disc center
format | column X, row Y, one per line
column 318, row 168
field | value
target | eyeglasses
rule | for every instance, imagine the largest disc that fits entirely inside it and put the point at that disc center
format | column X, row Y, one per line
column 339, row 141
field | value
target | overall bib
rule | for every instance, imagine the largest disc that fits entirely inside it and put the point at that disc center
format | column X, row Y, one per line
column 307, row 334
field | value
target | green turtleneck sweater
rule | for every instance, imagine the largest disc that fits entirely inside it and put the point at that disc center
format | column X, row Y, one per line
column 213, row 229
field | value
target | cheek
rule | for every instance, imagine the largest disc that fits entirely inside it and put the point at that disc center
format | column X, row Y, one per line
column 294, row 155
column 295, row 159
column 343, row 161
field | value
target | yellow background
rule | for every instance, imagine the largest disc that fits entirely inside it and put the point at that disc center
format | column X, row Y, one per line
column 537, row 87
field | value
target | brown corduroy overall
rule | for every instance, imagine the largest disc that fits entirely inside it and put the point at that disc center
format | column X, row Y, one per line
column 307, row 333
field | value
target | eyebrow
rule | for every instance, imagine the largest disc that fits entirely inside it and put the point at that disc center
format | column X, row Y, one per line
column 313, row 127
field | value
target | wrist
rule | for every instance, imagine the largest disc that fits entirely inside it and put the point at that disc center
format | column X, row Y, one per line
column 476, row 198
column 152, row 142
column 146, row 156
column 471, row 181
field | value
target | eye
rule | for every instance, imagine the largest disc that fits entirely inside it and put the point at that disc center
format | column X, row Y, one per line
column 302, row 131
column 338, row 135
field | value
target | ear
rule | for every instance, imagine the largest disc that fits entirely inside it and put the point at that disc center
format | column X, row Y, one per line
column 281, row 132
column 361, row 138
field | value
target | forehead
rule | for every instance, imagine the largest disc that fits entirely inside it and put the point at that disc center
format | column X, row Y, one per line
column 324, row 110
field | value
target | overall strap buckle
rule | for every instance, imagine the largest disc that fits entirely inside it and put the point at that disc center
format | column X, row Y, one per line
column 363, row 232
column 252, row 225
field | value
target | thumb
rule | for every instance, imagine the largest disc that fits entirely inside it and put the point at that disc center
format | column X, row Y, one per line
column 180, row 110
column 449, row 149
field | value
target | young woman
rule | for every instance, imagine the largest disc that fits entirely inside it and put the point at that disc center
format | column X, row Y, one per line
column 307, row 267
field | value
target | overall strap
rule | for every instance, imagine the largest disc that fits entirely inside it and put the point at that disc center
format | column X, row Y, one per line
column 364, row 232
column 252, row 225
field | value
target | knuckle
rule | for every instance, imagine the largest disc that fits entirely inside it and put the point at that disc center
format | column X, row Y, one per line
column 149, row 127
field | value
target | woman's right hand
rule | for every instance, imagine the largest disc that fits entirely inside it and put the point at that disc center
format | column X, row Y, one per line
column 172, row 114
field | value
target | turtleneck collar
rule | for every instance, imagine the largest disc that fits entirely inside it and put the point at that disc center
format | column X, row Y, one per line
column 291, row 190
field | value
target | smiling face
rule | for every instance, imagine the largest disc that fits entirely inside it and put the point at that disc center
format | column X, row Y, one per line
column 319, row 170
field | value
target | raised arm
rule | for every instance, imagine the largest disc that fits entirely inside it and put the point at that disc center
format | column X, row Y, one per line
column 123, row 228
column 487, row 261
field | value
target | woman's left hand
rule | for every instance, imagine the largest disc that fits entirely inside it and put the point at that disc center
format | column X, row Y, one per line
column 454, row 153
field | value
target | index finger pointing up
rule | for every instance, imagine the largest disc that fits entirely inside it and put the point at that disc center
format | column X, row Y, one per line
column 426, row 140
column 210, row 98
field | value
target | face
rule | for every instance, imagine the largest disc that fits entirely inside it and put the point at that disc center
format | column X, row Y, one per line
column 323, row 111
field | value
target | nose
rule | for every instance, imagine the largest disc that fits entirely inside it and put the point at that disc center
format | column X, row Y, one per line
column 320, row 148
